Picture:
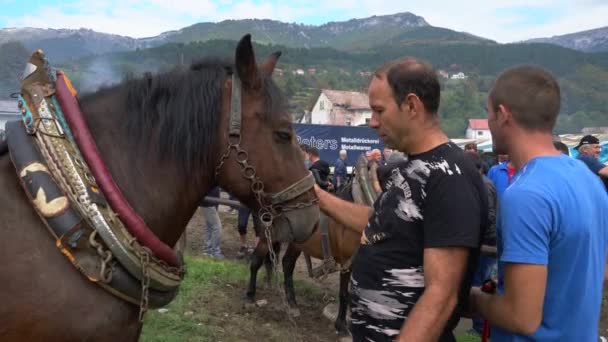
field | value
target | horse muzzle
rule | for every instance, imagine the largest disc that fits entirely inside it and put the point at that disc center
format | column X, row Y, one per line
column 296, row 225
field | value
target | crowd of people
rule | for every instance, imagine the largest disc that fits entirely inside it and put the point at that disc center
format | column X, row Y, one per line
column 419, row 269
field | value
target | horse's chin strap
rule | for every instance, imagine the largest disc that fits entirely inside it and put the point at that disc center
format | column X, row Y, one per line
column 294, row 190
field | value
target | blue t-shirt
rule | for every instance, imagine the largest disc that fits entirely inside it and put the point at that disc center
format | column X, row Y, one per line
column 594, row 165
column 555, row 213
column 499, row 175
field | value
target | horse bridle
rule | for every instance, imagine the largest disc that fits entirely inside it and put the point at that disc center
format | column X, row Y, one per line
column 277, row 205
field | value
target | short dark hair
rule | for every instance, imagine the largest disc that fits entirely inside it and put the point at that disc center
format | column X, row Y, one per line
column 412, row 76
column 560, row 146
column 304, row 147
column 475, row 159
column 470, row 146
column 531, row 94
column 313, row 151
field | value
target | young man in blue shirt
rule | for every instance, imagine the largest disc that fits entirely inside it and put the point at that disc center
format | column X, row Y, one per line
column 501, row 176
column 589, row 152
column 552, row 259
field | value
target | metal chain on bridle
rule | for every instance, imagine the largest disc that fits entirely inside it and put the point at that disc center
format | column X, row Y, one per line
column 271, row 205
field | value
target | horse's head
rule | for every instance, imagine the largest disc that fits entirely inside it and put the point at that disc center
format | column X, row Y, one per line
column 261, row 162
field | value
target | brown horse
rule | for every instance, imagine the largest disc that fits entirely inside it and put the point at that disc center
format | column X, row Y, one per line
column 162, row 137
column 343, row 243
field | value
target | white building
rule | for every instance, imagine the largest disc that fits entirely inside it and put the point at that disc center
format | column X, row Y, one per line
column 459, row 76
column 478, row 129
column 342, row 108
column 8, row 112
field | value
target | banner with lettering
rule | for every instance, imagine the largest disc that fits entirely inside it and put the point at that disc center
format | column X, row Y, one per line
column 331, row 139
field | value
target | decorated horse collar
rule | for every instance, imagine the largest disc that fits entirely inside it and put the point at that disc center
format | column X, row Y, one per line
column 76, row 197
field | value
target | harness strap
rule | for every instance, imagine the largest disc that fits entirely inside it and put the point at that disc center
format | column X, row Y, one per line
column 133, row 222
column 294, row 190
column 235, row 107
column 70, row 231
column 325, row 243
column 362, row 175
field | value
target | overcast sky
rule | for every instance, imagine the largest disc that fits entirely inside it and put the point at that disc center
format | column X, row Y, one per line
column 500, row 20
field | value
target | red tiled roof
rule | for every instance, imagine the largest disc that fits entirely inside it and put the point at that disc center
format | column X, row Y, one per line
column 348, row 99
column 478, row 124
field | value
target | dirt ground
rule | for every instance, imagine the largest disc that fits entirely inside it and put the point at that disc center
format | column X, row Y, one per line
column 311, row 325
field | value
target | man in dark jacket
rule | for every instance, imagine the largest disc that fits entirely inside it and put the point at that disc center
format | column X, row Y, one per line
column 319, row 169
column 487, row 265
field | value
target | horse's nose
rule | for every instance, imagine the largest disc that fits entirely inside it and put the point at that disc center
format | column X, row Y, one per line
column 298, row 225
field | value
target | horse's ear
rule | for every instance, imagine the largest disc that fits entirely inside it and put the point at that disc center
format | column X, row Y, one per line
column 246, row 67
column 270, row 63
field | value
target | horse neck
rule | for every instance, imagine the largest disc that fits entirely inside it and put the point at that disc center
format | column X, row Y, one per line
column 158, row 191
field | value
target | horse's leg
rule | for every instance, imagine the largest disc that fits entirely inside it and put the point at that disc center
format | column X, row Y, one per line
column 289, row 263
column 257, row 259
column 340, row 324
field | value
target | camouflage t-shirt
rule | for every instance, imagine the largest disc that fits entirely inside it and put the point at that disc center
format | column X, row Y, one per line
column 434, row 199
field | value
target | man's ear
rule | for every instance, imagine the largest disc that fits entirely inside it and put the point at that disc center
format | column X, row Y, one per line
column 504, row 115
column 413, row 104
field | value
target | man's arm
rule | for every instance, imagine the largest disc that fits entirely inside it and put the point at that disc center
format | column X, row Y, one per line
column 351, row 215
column 526, row 219
column 595, row 166
column 603, row 172
column 443, row 272
column 452, row 221
column 520, row 309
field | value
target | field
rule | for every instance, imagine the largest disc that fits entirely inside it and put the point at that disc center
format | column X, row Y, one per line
column 210, row 306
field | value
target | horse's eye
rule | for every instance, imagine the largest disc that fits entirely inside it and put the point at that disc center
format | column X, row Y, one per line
column 284, row 136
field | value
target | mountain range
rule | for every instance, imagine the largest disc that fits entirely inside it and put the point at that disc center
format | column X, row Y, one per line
column 337, row 55
column 354, row 34
column 595, row 40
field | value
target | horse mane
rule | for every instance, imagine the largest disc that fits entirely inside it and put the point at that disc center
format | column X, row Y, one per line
column 180, row 111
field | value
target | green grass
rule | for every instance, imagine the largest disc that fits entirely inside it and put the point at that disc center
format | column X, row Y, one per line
column 208, row 308
column 468, row 338
column 205, row 311
column 174, row 325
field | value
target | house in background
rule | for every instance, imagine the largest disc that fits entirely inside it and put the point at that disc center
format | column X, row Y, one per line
column 342, row 108
column 595, row 130
column 8, row 112
column 443, row 73
column 459, row 76
column 478, row 129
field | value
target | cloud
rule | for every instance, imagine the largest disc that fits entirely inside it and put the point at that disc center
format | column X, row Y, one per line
column 501, row 20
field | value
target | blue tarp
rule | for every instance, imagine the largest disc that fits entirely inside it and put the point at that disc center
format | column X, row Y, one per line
column 331, row 139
